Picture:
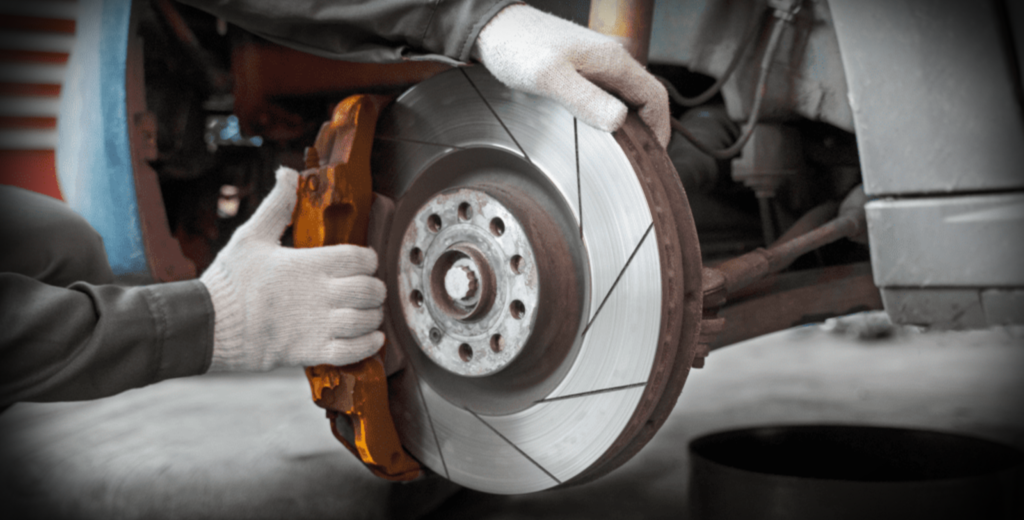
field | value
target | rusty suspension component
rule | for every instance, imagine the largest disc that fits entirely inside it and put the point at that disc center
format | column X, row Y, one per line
column 765, row 302
column 334, row 205
column 742, row 271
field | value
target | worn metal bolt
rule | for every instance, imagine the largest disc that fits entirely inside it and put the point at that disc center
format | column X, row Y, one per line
column 435, row 335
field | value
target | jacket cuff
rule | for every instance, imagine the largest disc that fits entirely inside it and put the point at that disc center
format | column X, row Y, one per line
column 448, row 31
column 184, row 318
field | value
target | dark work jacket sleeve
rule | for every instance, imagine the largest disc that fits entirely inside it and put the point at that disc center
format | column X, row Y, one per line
column 88, row 341
column 361, row 30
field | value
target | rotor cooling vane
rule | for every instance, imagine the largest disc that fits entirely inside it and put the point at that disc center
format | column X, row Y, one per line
column 544, row 284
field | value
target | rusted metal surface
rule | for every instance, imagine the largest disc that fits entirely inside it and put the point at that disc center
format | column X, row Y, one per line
column 166, row 261
column 744, row 270
column 710, row 327
column 744, row 297
column 814, row 218
column 626, row 21
column 266, row 72
column 791, row 299
column 549, row 333
column 679, row 253
column 782, row 255
column 469, row 282
column 335, row 201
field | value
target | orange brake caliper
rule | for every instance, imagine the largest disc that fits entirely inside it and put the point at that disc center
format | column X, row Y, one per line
column 334, row 201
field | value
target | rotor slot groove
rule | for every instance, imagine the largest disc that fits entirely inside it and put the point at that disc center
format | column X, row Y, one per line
column 495, row 114
column 592, row 392
column 617, row 278
column 510, row 443
column 433, row 431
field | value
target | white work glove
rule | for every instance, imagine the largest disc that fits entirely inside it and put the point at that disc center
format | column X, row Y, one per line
column 542, row 54
column 276, row 306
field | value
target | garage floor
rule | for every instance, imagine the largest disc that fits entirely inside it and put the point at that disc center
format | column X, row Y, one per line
column 253, row 446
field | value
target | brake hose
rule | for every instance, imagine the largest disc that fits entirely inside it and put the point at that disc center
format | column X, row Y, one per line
column 781, row 19
column 741, row 51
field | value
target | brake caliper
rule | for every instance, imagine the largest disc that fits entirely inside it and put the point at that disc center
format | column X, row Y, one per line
column 334, row 202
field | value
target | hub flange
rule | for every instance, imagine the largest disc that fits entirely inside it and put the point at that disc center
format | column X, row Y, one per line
column 467, row 271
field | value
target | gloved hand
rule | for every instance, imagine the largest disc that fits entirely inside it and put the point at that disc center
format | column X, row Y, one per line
column 277, row 306
column 542, row 54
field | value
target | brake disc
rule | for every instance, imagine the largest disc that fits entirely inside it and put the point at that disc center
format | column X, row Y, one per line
column 544, row 284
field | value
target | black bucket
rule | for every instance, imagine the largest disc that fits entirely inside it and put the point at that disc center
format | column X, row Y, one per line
column 855, row 472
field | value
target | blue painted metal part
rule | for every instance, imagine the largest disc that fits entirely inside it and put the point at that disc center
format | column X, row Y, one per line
column 94, row 165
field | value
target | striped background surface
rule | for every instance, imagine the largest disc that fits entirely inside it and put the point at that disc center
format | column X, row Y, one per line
column 36, row 37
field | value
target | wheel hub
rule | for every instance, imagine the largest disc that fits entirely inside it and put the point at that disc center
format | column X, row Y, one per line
column 469, row 280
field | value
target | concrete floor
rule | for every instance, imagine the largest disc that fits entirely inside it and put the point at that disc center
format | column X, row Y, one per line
column 253, row 446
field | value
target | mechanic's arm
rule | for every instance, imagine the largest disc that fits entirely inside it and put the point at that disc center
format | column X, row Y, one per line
column 258, row 306
column 89, row 341
column 524, row 48
column 361, row 30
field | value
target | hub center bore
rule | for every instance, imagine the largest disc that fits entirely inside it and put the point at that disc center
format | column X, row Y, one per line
column 462, row 282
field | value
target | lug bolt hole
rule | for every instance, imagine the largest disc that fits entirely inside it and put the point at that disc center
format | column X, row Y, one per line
column 497, row 226
column 517, row 263
column 517, row 309
column 416, row 256
column 417, row 299
column 497, row 343
column 465, row 211
column 466, row 352
column 434, row 222
column 435, row 335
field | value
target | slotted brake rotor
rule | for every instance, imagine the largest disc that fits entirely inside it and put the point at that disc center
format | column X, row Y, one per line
column 544, row 284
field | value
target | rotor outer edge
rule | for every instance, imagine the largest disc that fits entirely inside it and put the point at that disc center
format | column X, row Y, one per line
column 679, row 251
